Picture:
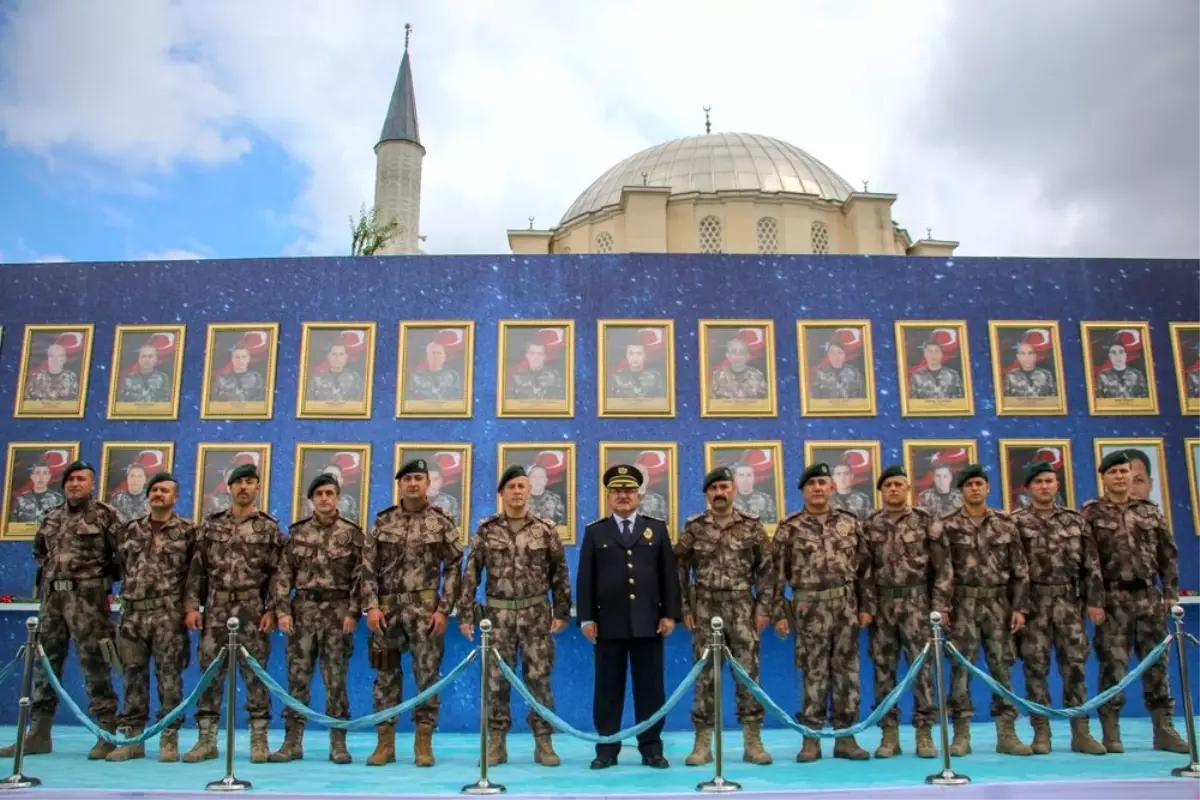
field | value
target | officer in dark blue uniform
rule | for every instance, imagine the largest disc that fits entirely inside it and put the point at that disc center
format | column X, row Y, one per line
column 627, row 602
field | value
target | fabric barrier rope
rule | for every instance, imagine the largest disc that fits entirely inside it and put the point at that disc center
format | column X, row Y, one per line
column 369, row 721
column 1075, row 712
column 1193, row 639
column 881, row 710
column 208, row 677
column 612, row 738
column 11, row 667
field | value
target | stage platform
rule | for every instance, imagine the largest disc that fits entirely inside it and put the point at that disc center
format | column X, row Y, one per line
column 1139, row 772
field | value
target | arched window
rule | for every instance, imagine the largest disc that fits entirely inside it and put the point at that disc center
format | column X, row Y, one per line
column 604, row 242
column 710, row 235
column 820, row 237
column 768, row 235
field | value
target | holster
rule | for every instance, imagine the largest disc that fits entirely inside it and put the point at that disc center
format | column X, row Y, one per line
column 382, row 658
column 108, row 649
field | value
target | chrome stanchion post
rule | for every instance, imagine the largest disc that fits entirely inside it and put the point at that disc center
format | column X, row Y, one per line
column 718, row 783
column 1192, row 770
column 18, row 780
column 483, row 785
column 947, row 777
column 230, row 783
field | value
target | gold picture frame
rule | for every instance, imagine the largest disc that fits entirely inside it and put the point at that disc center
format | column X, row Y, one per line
column 124, row 459
column 927, row 462
column 1192, row 449
column 518, row 392
column 918, row 341
column 726, row 391
column 429, row 347
column 240, row 363
column 22, row 458
column 349, row 462
column 38, row 397
column 557, row 461
column 1185, row 337
column 857, row 463
column 658, row 463
column 1017, row 454
column 1154, row 448
column 349, row 395
column 630, row 389
column 759, row 457
column 813, row 340
column 1021, row 377
column 134, row 393
column 211, row 494
column 451, row 461
column 1100, row 339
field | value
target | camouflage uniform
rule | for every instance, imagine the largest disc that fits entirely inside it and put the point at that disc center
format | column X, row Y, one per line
column 243, row 387
column 940, row 504
column 1193, row 383
column 143, row 388
column 542, row 384
column 838, row 384
column 1118, row 384
column 53, row 386
column 32, row 507
column 548, row 505
column 731, row 384
column 448, row 504
column 1024, row 501
column 857, row 503
column 756, row 504
column 643, row 384
column 1037, row 382
column 337, row 387
column 130, row 506
column 347, row 508
column 441, row 385
column 940, row 384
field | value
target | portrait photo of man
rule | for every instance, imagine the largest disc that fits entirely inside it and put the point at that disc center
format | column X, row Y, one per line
column 738, row 360
column 1148, row 464
column 337, row 362
column 239, row 370
column 550, row 467
column 933, row 465
column 1016, row 456
column 1027, row 367
column 124, row 469
column 636, row 374
column 1185, row 344
column 536, row 373
column 33, row 484
column 435, row 368
column 350, row 466
column 935, row 368
column 757, row 477
column 1119, row 368
column 449, row 477
column 55, row 361
column 656, row 465
column 855, row 471
column 837, row 372
column 215, row 462
column 147, row 370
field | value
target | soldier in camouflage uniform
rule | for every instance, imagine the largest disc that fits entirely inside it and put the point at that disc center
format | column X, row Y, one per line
column 846, row 497
column 236, row 557
column 156, row 552
column 913, row 575
column 524, row 560
column 934, row 381
column 821, row 553
column 1064, row 577
column 544, row 503
column 411, row 548
column 337, row 384
column 738, row 380
column 241, row 384
column 439, row 499
column 1135, row 548
column 724, row 564
column 55, row 382
column 437, row 382
column 941, row 498
column 747, row 499
column 1120, row 380
column 147, row 385
column 991, row 599
column 133, row 503
column 75, row 549
column 539, row 382
column 837, row 380
column 320, row 561
column 635, row 380
column 32, row 506
column 1029, row 380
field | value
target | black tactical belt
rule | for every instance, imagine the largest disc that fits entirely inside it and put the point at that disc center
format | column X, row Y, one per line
column 235, row 595
column 1129, row 586
column 723, row 592
column 73, row 585
column 149, row 604
column 819, row 595
column 980, row 592
column 515, row 605
column 322, row 595
column 1053, row 589
column 895, row 592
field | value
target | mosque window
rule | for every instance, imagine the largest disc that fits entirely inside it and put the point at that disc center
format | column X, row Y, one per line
column 710, row 235
column 604, row 242
column 820, row 237
column 768, row 236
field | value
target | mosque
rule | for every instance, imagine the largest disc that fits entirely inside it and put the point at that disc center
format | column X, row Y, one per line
column 739, row 193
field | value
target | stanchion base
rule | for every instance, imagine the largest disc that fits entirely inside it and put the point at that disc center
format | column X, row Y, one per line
column 228, row 784
column 947, row 777
column 719, row 785
column 1190, row 771
column 484, row 787
column 19, row 781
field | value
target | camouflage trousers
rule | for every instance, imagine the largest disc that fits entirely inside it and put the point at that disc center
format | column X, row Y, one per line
column 827, row 654
column 529, row 631
column 213, row 638
column 157, row 634
column 742, row 639
column 1057, row 622
column 317, row 632
column 408, row 631
column 84, row 617
column 986, row 621
column 1135, row 623
column 902, row 626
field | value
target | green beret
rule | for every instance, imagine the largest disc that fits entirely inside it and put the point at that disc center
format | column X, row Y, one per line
column 971, row 471
column 415, row 466
column 1139, row 455
column 76, row 466
column 892, row 471
column 718, row 474
column 243, row 471
column 1035, row 469
column 324, row 479
column 622, row 476
column 515, row 471
column 818, row 470
column 160, row 477
column 1113, row 460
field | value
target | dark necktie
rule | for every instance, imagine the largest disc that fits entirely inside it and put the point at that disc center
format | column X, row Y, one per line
column 626, row 533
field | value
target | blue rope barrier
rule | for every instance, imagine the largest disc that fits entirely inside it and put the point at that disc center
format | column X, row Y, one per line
column 369, row 721
column 10, row 668
column 1074, row 712
column 881, row 710
column 612, row 738
column 1193, row 639
column 208, row 677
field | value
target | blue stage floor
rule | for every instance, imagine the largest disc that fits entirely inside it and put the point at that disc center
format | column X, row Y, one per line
column 1139, row 772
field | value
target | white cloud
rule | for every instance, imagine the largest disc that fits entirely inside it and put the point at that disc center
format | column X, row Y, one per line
column 170, row 254
column 51, row 259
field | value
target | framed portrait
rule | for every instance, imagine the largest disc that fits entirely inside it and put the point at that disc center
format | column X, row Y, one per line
column 350, row 464
column 337, row 368
column 935, row 368
column 1148, row 461
column 1027, row 367
column 214, row 462
column 1185, row 343
column 55, row 361
column 932, row 466
column 737, row 377
column 536, row 370
column 434, row 368
column 757, row 475
column 1119, row 368
column 1017, row 454
column 449, row 477
column 855, row 466
column 239, row 370
column 636, row 369
column 1192, row 446
column 551, row 470
column 658, row 462
column 147, row 368
column 33, row 485
column 837, row 367
column 124, row 469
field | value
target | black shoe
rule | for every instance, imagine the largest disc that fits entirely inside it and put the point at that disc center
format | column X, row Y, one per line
column 657, row 761
column 604, row 762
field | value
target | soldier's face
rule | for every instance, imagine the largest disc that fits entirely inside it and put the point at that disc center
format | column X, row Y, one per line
column 941, row 479
column 135, row 479
column 337, row 358
column 895, row 491
column 738, row 354
column 1140, row 484
column 414, row 486
column 535, row 355
column 79, row 484
column 435, row 483
column 243, row 491
column 515, row 496
column 1116, row 354
column 1044, row 488
column 635, row 356
column 744, row 478
column 240, row 359
column 1026, row 357
column 435, row 354
column 975, row 492
column 147, row 359
column 325, row 499
column 538, row 480
column 842, row 478
column 163, row 495
column 720, row 496
column 836, row 355
column 56, row 355
column 1118, row 479
column 933, row 356
column 817, row 492
column 40, row 477
column 623, row 501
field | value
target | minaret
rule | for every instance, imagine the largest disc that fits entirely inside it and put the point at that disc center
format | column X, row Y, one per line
column 398, row 157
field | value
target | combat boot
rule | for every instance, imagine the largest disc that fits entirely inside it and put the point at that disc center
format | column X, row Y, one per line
column 1041, row 735
column 206, row 746
column 497, row 752
column 260, row 748
column 543, row 751
column 168, row 746
column 338, row 753
column 1081, row 739
column 811, row 750
column 925, row 746
column 1007, row 741
column 101, row 748
column 292, row 748
column 961, row 746
column 752, row 746
column 385, row 746
column 889, row 745
column 129, row 751
column 1165, row 736
column 1110, row 732
column 701, row 748
column 847, row 747
column 37, row 739
column 423, row 746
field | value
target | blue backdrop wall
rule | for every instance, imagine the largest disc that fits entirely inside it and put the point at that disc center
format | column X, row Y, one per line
column 584, row 289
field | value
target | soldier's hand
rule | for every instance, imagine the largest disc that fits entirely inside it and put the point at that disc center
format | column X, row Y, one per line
column 864, row 619
column 437, row 623
column 467, row 630
column 781, row 628
column 1018, row 621
column 689, row 621
column 557, row 626
column 761, row 622
column 376, row 621
column 349, row 624
column 285, row 624
column 1096, row 615
column 192, row 621
column 267, row 623
column 665, row 626
column 589, row 631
